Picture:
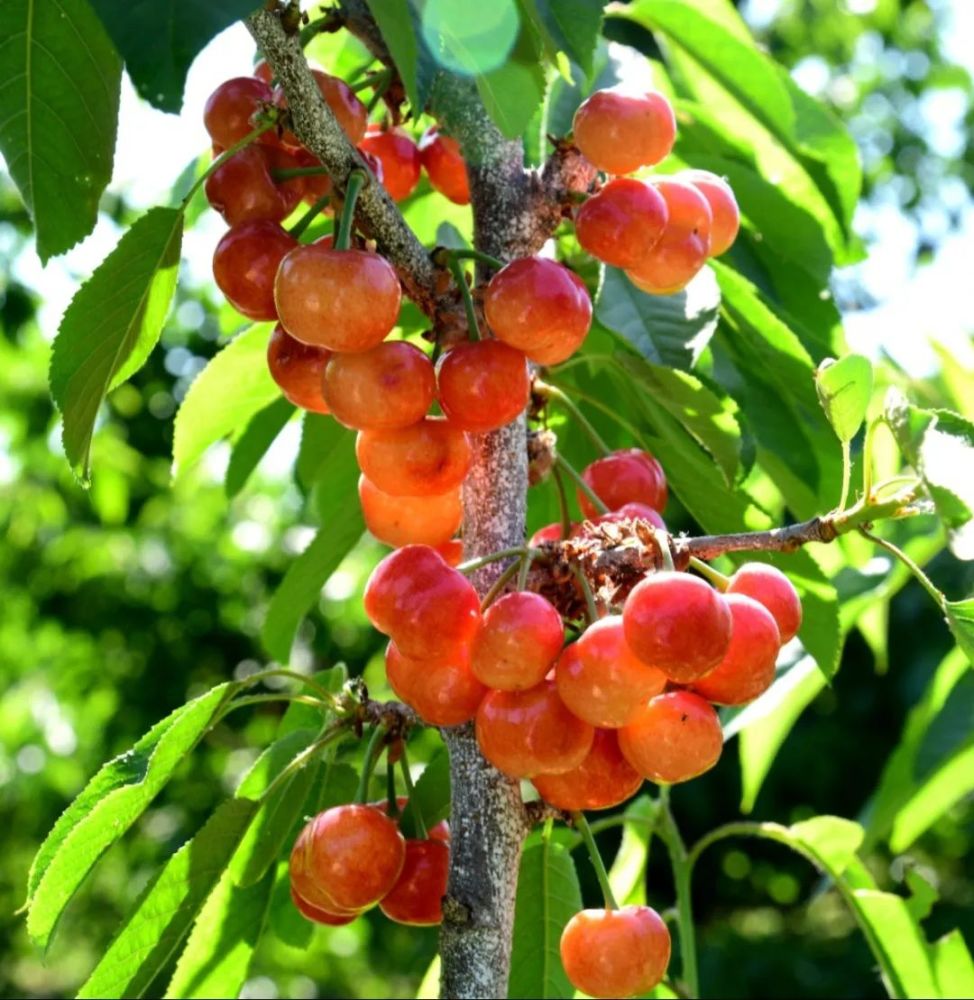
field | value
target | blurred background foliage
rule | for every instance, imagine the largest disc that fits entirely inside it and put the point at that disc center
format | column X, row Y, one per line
column 120, row 603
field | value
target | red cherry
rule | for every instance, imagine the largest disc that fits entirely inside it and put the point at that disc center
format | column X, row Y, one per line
column 452, row 551
column 263, row 71
column 400, row 159
column 622, row 223
column 604, row 779
column 428, row 608
column 483, row 385
column 297, row 369
column 443, row 692
column 388, row 387
column 345, row 300
column 242, row 189
column 318, row 914
column 296, row 188
column 723, row 207
column 540, row 307
column 416, row 897
column 399, row 521
column 615, row 953
column 444, row 165
column 629, row 476
column 602, row 680
column 770, row 587
column 619, row 132
column 524, row 733
column 439, row 832
column 229, row 111
column 245, row 262
column 678, row 624
column 426, row 459
column 627, row 512
column 520, row 639
column 549, row 533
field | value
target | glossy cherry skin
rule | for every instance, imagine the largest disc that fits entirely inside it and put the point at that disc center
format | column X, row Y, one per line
column 399, row 156
column 428, row 608
column 678, row 624
column 428, row 458
column 629, row 476
column 520, row 639
column 344, row 300
column 683, row 248
column 615, row 953
column 601, row 679
column 770, row 587
column 297, row 369
column 747, row 669
column 230, row 109
column 244, row 265
column 620, row 132
column 539, row 307
column 604, row 779
column 399, row 521
column 242, row 189
column 525, row 733
column 444, row 165
column 417, row 896
column 452, row 551
column 483, row 385
column 622, row 223
column 723, row 207
column 318, row 914
column 388, row 387
column 443, row 692
column 675, row 737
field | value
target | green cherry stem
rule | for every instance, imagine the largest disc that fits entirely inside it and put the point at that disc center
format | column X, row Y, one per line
column 372, row 752
column 522, row 576
column 591, row 608
column 356, row 180
column 497, row 588
column 413, row 802
column 374, row 81
column 928, row 585
column 562, row 463
column 718, row 579
column 474, row 564
column 392, row 806
column 477, row 255
column 581, row 824
column 846, row 474
column 548, row 391
column 224, row 156
column 566, row 519
column 333, row 732
column 460, row 278
column 316, row 209
column 289, row 173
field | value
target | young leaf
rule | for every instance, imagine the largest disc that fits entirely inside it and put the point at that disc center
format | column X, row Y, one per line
column 844, row 388
column 257, row 437
column 431, row 794
column 58, row 115
column 112, row 323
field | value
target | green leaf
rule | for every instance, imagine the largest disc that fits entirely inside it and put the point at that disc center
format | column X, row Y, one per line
column 397, row 24
column 251, row 446
column 431, row 794
column 960, row 618
column 548, row 896
column 952, row 965
column 514, row 91
column 844, row 389
column 573, row 26
column 230, row 390
column 112, row 323
column 58, row 115
column 627, row 876
column 321, row 437
column 111, row 802
column 160, row 40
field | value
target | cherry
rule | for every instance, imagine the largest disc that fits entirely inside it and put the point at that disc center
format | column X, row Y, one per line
column 444, row 165
column 295, row 189
column 229, row 111
column 263, row 71
column 549, row 533
column 426, row 459
column 417, row 896
column 628, row 476
column 387, row 387
column 678, row 624
column 685, row 244
column 676, row 737
column 314, row 186
column 401, row 521
column 747, row 668
column 540, row 307
column 524, row 733
column 520, row 639
column 615, row 953
column 770, row 587
column 318, row 914
column 483, row 385
column 345, row 300
column 297, row 369
column 425, row 606
column 242, row 189
column 619, row 132
column 439, row 832
column 400, row 159
column 443, row 692
column 604, row 778
column 601, row 679
column 633, row 511
column 723, row 207
column 245, row 262
column 452, row 551
column 622, row 223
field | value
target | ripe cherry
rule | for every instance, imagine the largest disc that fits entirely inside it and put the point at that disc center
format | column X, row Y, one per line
column 627, row 512
column 747, row 669
column 399, row 521
column 443, row 692
column 615, row 953
column 417, row 896
column 520, row 639
column 540, row 307
column 229, row 111
column 318, row 914
column 245, row 262
column 678, row 624
column 604, row 778
column 345, row 300
column 439, row 832
column 622, row 223
column 723, row 207
column 628, row 476
column 452, row 551
column 400, row 159
column 242, row 189
column 293, row 189
column 619, row 132
column 297, row 369
column 483, row 385
column 387, row 387
column 263, row 71
column 549, row 533
column 444, row 165
column 770, row 587
column 602, row 680
column 524, row 733
column 427, row 458
column 314, row 186
column 428, row 608
column 676, row 737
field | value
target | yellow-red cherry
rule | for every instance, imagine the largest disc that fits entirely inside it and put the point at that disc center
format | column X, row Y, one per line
column 399, row 156
column 398, row 521
column 628, row 476
column 443, row 691
column 230, row 109
column 619, row 132
column 723, row 207
column 244, row 265
column 483, row 385
column 416, row 898
column 770, row 587
column 297, row 369
column 445, row 165
column 622, row 223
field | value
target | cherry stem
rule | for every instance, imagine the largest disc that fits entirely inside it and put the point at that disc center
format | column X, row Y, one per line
column 581, row 824
column 846, row 474
column 591, row 608
column 265, row 699
column 224, row 156
column 718, row 579
column 372, row 752
column 477, row 255
column 356, row 180
column 499, row 584
column 456, row 269
column 474, row 564
column 335, row 730
column 316, row 209
column 522, row 576
column 323, row 693
column 562, row 463
column 566, row 520
column 376, row 81
column 289, row 173
column 381, row 86
column 412, row 801
column 392, row 806
column 548, row 391
column 928, row 585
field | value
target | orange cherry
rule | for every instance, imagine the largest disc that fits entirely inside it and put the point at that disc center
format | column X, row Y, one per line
column 770, row 587
column 604, row 779
column 619, row 132
column 483, row 385
column 723, row 207
column 400, row 159
column 624, row 477
column 230, row 109
column 444, row 165
column 297, row 369
column 622, row 223
column 318, row 914
column 399, row 521
column 443, row 692
column 416, row 898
